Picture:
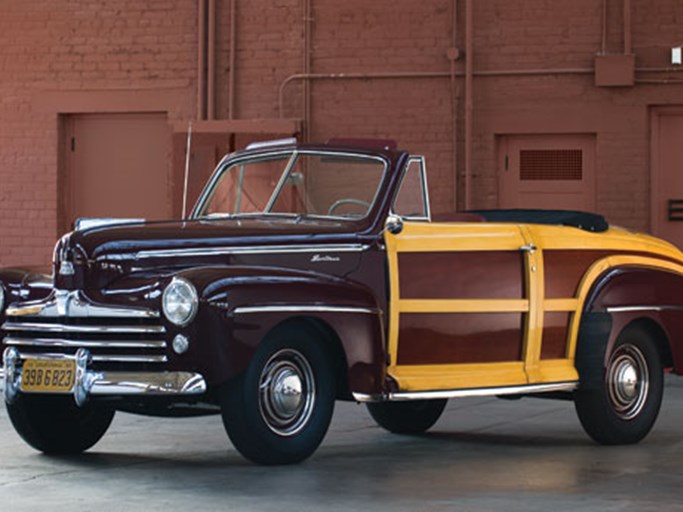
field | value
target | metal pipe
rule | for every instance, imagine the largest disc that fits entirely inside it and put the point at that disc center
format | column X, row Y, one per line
column 421, row 74
column 233, row 43
column 604, row 28
column 469, row 101
column 628, row 46
column 306, row 89
column 211, row 64
column 454, row 97
column 201, row 58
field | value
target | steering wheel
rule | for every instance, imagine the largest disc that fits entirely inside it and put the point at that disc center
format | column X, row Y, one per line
column 347, row 200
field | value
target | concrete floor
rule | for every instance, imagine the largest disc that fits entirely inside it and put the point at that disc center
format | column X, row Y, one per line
column 484, row 454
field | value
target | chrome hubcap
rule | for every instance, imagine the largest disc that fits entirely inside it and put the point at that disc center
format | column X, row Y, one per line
column 286, row 392
column 627, row 381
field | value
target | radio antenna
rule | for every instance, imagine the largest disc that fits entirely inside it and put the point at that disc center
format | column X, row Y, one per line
column 187, row 169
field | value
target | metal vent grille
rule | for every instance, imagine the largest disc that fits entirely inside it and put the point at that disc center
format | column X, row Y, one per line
column 551, row 164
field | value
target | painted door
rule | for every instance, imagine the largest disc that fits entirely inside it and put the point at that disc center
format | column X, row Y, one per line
column 463, row 303
column 547, row 171
column 116, row 165
column 667, row 174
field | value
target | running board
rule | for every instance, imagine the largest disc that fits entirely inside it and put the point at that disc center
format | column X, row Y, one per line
column 464, row 393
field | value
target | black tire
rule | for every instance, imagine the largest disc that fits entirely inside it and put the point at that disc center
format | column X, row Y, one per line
column 55, row 425
column 279, row 410
column 621, row 405
column 413, row 417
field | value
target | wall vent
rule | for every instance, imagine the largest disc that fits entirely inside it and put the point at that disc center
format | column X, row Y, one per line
column 551, row 164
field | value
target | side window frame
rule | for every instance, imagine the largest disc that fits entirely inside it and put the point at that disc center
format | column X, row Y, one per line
column 425, row 190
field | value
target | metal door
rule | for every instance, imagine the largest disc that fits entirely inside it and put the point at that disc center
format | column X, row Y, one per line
column 667, row 174
column 116, row 165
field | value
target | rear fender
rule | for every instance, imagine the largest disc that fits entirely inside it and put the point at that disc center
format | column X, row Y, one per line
column 650, row 296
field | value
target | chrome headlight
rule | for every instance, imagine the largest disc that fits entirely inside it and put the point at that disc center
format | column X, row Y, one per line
column 180, row 301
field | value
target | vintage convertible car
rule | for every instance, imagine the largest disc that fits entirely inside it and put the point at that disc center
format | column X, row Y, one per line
column 306, row 274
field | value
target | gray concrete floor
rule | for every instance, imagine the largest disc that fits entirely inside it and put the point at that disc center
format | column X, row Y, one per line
column 483, row 454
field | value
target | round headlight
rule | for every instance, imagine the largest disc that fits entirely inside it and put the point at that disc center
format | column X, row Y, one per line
column 180, row 301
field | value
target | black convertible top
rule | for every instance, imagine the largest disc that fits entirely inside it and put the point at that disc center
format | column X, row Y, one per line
column 582, row 220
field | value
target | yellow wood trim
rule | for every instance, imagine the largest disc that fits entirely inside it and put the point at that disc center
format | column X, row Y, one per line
column 595, row 271
column 557, row 370
column 455, row 376
column 463, row 305
column 551, row 305
column 437, row 237
column 533, row 329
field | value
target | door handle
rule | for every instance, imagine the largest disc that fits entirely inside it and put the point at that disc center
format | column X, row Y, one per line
column 530, row 248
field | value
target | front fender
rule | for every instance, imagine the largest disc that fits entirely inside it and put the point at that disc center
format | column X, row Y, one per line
column 239, row 306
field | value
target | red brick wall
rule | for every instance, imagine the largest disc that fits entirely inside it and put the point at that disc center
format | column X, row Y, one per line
column 53, row 49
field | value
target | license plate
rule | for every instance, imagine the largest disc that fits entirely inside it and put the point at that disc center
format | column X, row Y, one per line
column 48, row 375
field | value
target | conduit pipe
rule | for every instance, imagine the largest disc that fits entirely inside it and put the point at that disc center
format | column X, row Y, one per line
column 628, row 46
column 233, row 43
column 211, row 62
column 306, row 90
column 420, row 74
column 455, row 96
column 469, row 25
column 201, row 58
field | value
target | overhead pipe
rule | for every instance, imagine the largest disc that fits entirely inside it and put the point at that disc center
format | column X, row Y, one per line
column 420, row 74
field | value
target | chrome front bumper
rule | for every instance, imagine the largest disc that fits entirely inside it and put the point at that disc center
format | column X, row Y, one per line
column 105, row 383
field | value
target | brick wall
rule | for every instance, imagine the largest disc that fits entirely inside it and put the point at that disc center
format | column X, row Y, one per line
column 49, row 47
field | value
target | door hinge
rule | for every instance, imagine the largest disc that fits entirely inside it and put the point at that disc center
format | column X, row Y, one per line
column 73, row 143
column 507, row 161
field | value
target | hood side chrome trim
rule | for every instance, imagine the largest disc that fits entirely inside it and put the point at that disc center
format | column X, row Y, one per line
column 229, row 250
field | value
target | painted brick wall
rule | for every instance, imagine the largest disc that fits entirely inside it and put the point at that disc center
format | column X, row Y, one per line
column 48, row 47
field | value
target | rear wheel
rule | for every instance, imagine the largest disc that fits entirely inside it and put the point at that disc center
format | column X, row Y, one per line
column 279, row 411
column 413, row 417
column 56, row 425
column 622, row 406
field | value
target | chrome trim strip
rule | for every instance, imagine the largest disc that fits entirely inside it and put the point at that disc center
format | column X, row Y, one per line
column 463, row 393
column 99, row 329
column 148, row 383
column 73, row 303
column 100, row 358
column 632, row 309
column 62, row 343
column 225, row 251
column 305, row 308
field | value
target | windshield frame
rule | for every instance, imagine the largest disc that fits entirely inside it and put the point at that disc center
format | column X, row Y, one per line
column 233, row 160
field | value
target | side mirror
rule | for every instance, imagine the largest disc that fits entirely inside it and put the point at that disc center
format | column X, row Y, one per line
column 394, row 224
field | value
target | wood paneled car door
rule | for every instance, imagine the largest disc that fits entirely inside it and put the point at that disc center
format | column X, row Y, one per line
column 467, row 308
column 460, row 306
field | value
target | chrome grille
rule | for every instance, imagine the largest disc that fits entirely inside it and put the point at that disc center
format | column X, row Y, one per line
column 117, row 338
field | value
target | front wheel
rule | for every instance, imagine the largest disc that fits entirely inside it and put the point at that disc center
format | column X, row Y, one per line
column 413, row 417
column 279, row 410
column 622, row 406
column 56, row 425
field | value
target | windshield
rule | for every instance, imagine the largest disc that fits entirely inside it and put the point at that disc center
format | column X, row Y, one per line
column 299, row 184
